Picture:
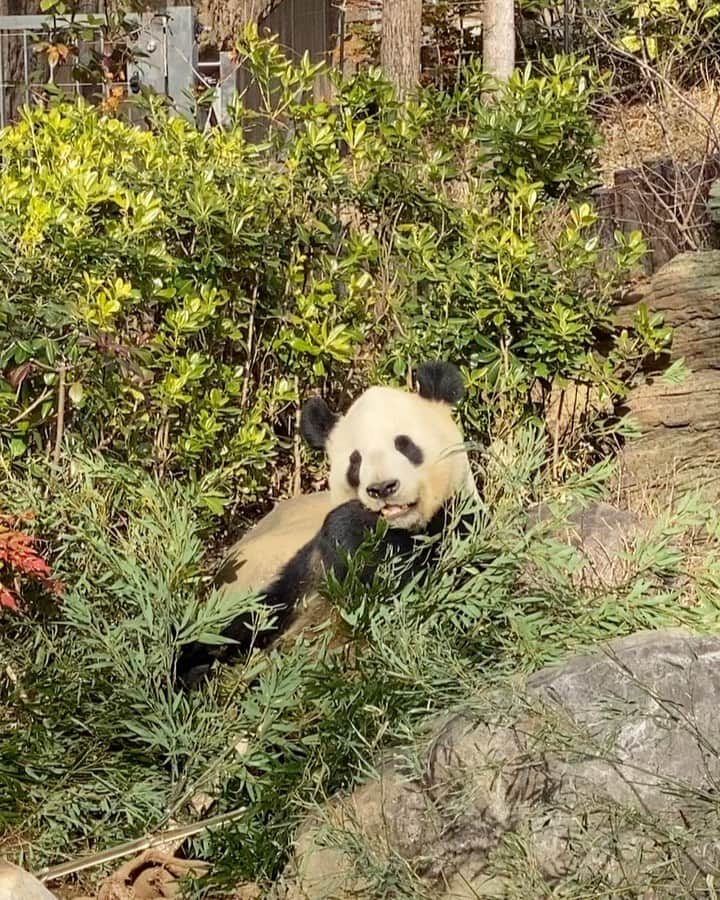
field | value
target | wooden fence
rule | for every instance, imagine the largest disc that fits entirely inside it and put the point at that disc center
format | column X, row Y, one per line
column 664, row 200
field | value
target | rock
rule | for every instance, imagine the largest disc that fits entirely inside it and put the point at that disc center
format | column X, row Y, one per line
column 685, row 291
column 16, row 884
column 679, row 444
column 600, row 776
column 247, row 891
column 605, row 537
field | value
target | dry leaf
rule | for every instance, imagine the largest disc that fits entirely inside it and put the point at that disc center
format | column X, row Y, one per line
column 153, row 875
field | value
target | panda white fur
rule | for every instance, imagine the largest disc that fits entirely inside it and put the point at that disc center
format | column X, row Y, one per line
column 394, row 454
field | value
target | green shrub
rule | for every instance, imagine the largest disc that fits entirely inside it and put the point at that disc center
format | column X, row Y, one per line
column 540, row 122
column 166, row 295
column 641, row 43
column 100, row 746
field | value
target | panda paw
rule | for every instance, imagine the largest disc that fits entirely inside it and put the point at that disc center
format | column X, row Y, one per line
column 348, row 525
column 344, row 531
column 193, row 666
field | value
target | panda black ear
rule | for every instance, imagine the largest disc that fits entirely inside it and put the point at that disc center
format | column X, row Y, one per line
column 440, row 381
column 317, row 420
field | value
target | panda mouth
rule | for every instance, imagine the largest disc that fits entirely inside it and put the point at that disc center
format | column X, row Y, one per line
column 396, row 510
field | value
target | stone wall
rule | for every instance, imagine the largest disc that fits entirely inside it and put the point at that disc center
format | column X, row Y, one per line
column 680, row 423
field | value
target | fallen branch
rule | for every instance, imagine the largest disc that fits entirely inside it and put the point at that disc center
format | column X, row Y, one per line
column 60, row 427
column 145, row 843
column 297, row 459
column 26, row 412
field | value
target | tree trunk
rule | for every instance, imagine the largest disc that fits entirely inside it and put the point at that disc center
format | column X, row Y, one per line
column 499, row 38
column 400, row 43
column 225, row 19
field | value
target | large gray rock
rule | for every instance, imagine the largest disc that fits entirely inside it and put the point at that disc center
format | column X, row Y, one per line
column 685, row 291
column 599, row 776
column 16, row 884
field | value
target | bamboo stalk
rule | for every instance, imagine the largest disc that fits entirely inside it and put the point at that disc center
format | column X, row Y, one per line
column 137, row 846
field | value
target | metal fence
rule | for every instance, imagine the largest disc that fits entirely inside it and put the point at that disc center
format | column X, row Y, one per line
column 162, row 54
column 160, row 45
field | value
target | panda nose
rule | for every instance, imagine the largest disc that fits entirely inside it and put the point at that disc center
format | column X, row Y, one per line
column 381, row 490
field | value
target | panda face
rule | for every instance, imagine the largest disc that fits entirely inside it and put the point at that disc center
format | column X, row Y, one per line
column 393, row 451
column 401, row 454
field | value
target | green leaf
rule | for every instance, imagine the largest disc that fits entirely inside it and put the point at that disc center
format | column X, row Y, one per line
column 76, row 393
column 17, row 447
column 677, row 373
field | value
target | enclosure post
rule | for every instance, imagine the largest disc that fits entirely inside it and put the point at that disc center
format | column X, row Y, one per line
column 2, row 81
column 181, row 58
column 149, row 67
column 226, row 89
column 26, row 67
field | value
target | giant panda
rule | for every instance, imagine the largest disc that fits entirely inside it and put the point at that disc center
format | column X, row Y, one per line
column 395, row 455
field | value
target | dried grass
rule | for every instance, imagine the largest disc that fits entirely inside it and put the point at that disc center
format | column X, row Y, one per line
column 681, row 127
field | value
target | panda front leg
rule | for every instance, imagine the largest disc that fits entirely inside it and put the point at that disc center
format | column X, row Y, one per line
column 196, row 659
column 342, row 533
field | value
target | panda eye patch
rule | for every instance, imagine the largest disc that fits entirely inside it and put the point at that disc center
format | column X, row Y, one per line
column 353, row 472
column 409, row 449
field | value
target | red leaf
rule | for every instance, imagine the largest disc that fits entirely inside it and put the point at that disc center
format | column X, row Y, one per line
column 16, row 377
column 7, row 600
column 19, row 556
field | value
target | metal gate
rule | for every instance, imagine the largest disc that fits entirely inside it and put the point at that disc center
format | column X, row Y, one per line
column 33, row 57
column 42, row 53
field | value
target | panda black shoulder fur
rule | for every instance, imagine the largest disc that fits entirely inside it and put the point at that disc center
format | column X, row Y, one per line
column 394, row 454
